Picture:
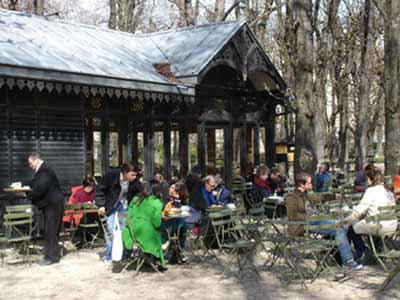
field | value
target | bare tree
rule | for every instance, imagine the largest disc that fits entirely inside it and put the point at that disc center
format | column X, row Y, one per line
column 390, row 10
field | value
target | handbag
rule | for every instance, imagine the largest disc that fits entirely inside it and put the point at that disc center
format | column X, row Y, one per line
column 117, row 245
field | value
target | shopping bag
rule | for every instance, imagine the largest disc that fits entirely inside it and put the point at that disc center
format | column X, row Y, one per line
column 117, row 244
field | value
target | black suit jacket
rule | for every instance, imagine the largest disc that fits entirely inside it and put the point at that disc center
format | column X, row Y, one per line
column 109, row 188
column 46, row 187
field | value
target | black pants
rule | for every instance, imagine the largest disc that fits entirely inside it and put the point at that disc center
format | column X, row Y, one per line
column 357, row 241
column 52, row 225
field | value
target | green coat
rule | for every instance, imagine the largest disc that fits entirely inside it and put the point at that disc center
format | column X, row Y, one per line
column 143, row 226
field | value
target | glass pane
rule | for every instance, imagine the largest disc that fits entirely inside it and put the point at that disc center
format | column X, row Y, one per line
column 140, row 141
column 175, row 162
column 158, row 152
column 97, row 154
column 219, row 149
column 193, row 157
column 114, row 150
column 236, row 152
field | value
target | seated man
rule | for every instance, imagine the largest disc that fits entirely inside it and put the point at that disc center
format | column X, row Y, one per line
column 201, row 197
column 323, row 178
column 276, row 182
column 298, row 207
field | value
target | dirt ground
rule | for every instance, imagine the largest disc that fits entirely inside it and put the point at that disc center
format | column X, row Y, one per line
column 81, row 275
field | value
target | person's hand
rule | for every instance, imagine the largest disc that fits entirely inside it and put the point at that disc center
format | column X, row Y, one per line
column 101, row 211
column 215, row 193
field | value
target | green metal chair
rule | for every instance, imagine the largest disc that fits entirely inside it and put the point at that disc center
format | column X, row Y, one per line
column 18, row 222
column 91, row 225
column 387, row 243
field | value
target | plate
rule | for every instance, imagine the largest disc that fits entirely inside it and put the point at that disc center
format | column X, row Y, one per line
column 11, row 190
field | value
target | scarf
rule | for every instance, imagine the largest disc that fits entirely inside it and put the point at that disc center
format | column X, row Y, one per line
column 263, row 184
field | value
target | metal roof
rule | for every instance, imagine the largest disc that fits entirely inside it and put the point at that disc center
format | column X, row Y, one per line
column 33, row 46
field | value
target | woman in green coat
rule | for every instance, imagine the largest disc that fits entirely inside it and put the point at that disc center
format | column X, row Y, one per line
column 143, row 224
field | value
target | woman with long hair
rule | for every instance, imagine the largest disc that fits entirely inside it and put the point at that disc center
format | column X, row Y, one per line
column 375, row 196
column 178, row 196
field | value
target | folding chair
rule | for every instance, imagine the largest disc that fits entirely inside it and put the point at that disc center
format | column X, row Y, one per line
column 18, row 222
column 387, row 242
column 271, row 207
column 138, row 257
column 92, row 225
column 232, row 241
column 319, row 243
column 70, row 224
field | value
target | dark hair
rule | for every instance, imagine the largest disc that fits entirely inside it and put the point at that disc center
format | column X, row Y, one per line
column 262, row 170
column 150, row 190
column 375, row 176
column 326, row 165
column 368, row 167
column 88, row 181
column 181, row 189
column 274, row 171
column 196, row 169
column 130, row 167
column 301, row 178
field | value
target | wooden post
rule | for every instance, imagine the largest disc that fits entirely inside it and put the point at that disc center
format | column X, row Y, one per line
column 167, row 149
column 105, row 143
column 256, row 143
column 129, row 140
column 243, row 149
column 228, row 154
column 270, row 142
column 211, row 157
column 183, row 149
column 201, row 147
column 148, row 145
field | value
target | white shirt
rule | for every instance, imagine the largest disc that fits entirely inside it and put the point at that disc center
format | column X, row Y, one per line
column 39, row 165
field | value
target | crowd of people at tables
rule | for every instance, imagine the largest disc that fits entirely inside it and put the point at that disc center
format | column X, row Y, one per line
column 148, row 206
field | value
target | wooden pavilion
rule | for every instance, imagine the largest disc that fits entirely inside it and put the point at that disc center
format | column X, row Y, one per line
column 89, row 98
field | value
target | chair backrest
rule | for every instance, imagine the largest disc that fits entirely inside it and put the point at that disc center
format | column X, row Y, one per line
column 320, row 222
column 222, row 223
column 18, row 221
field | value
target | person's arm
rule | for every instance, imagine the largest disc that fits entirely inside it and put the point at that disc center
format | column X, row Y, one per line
column 102, row 188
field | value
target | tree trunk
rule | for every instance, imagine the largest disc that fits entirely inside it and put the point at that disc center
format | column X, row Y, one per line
column 392, row 86
column 306, row 154
column 39, row 7
column 112, row 22
column 361, row 132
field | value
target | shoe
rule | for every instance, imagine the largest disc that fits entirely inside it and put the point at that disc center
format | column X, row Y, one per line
column 183, row 258
column 47, row 262
column 165, row 246
column 353, row 265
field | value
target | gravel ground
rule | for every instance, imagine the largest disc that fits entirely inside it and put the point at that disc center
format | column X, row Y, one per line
column 81, row 275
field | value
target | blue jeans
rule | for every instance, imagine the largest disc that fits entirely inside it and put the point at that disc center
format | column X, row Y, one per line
column 340, row 237
column 110, row 227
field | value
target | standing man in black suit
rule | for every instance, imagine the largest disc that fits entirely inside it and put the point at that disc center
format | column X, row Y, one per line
column 47, row 196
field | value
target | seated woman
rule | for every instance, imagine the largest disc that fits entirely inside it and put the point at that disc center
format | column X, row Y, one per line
column 143, row 223
column 84, row 193
column 375, row 196
column 261, row 189
column 177, row 197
